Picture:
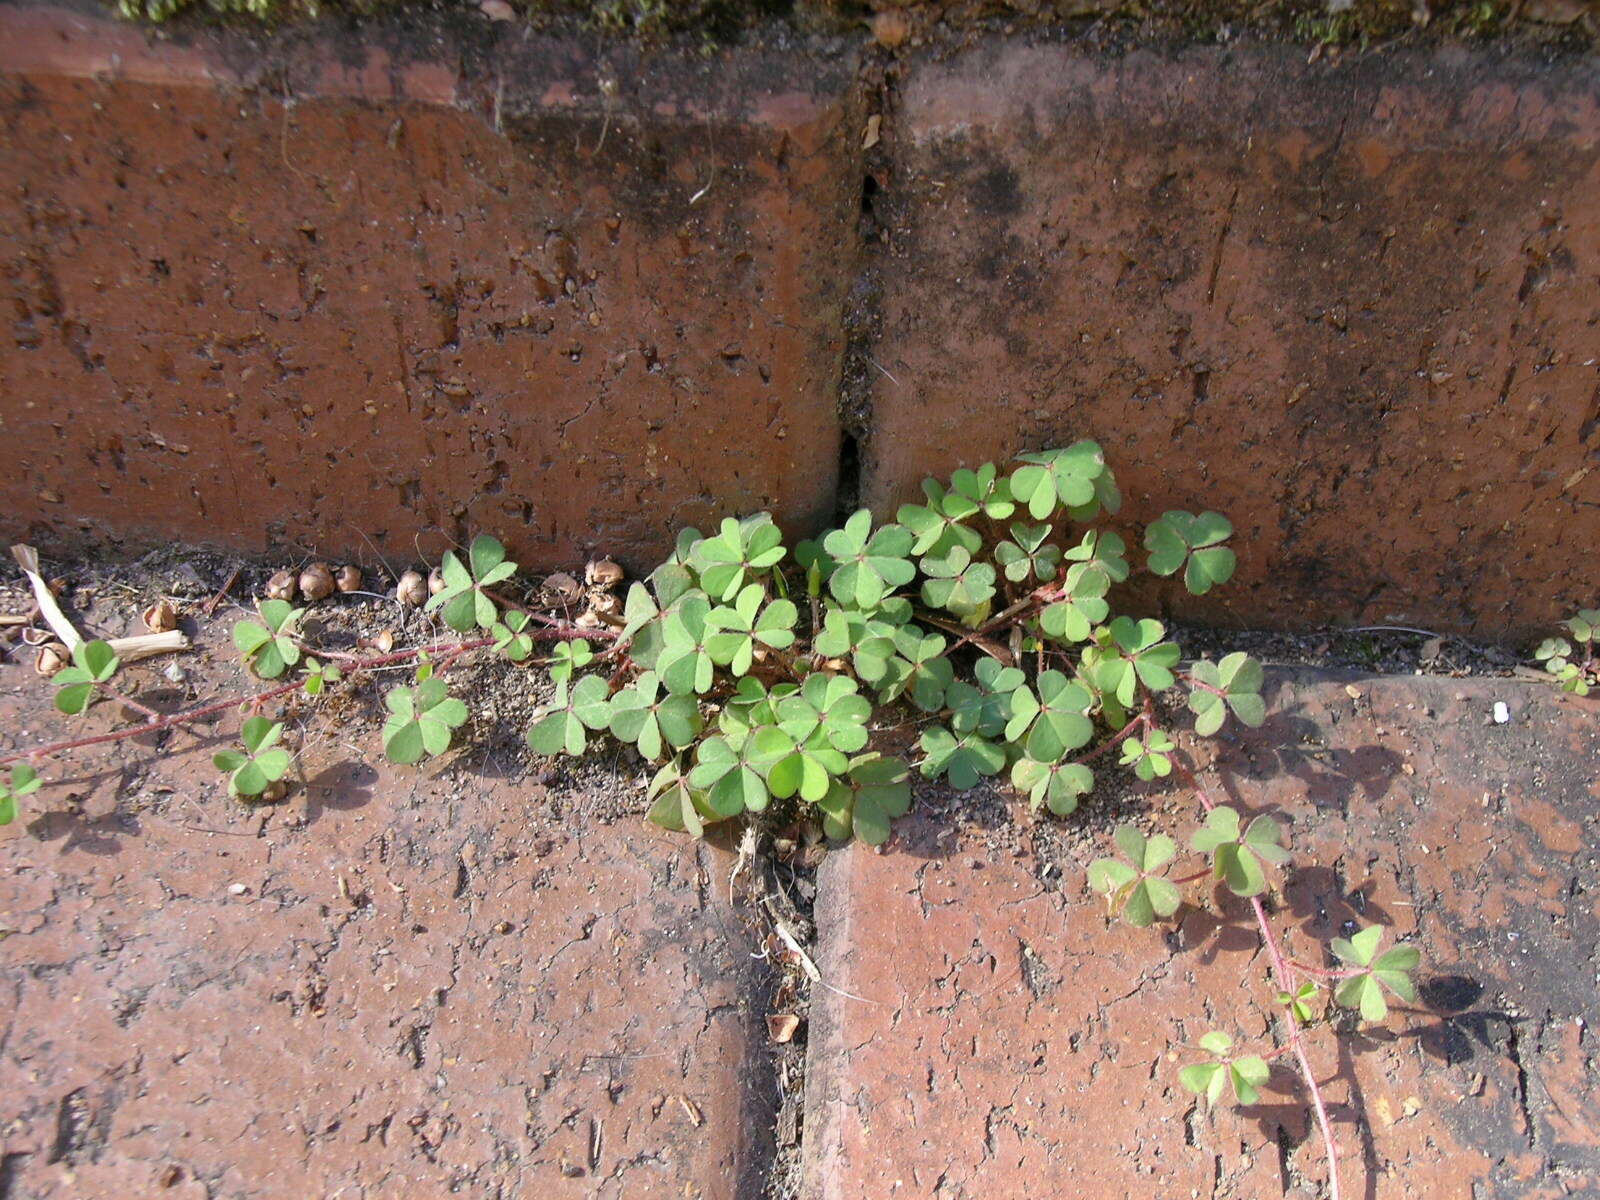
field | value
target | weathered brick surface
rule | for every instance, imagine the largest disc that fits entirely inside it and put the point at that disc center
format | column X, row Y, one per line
column 429, row 985
column 984, row 1034
column 409, row 282
column 1351, row 306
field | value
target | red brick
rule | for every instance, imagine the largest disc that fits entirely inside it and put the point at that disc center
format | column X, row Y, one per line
column 328, row 287
column 1349, row 306
column 436, row 984
column 983, row 1034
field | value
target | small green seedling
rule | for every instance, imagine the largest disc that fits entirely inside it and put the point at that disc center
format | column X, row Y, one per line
column 1247, row 1073
column 93, row 664
column 269, row 645
column 319, row 675
column 261, row 764
column 1389, row 971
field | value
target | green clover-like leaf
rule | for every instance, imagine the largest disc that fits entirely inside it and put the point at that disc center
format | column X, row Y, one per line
column 829, row 706
column 1190, row 542
column 1247, row 1073
column 1389, row 971
column 685, row 664
column 1150, row 756
column 1239, row 856
column 1076, row 477
column 650, row 718
column 1299, row 1004
column 319, row 676
column 736, row 630
column 1131, row 884
column 463, row 600
column 562, row 727
column 93, row 663
column 268, row 646
column 867, row 639
column 263, row 761
column 958, row 584
column 731, row 769
column 920, row 670
column 1585, row 626
column 1233, row 684
column 960, row 759
column 678, row 806
column 1081, row 605
column 511, row 637
column 21, row 780
column 864, row 801
column 984, row 707
column 1056, row 785
column 569, row 657
column 870, row 565
column 1055, row 721
column 421, row 721
column 741, row 551
column 1029, row 554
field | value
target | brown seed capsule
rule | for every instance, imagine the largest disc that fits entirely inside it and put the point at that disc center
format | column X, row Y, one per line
column 890, row 28
column 348, row 579
column 161, row 617
column 604, row 603
column 435, row 582
column 589, row 619
column 316, row 582
column 274, row 791
column 51, row 658
column 384, row 642
column 602, row 572
column 563, row 587
column 412, row 590
column 281, row 586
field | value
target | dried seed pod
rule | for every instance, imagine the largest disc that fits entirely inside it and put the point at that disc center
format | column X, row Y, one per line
column 602, row 572
column 411, row 590
column 274, row 791
column 563, row 587
column 161, row 617
column 382, row 643
column 281, row 586
column 604, row 603
column 589, row 619
column 435, row 582
column 316, row 582
column 348, row 579
column 51, row 658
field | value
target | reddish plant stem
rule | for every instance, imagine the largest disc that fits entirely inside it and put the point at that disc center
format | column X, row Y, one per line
column 1127, row 731
column 150, row 713
column 553, row 626
column 1324, row 972
column 180, row 718
column 157, row 722
column 1037, row 596
column 1287, row 981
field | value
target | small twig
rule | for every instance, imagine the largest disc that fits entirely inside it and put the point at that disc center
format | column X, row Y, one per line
column 210, row 606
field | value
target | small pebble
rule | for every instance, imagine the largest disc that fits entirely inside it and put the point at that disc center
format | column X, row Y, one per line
column 237, row 889
column 1502, row 713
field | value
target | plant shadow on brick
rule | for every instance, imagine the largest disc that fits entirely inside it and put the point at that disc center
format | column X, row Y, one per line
column 751, row 678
